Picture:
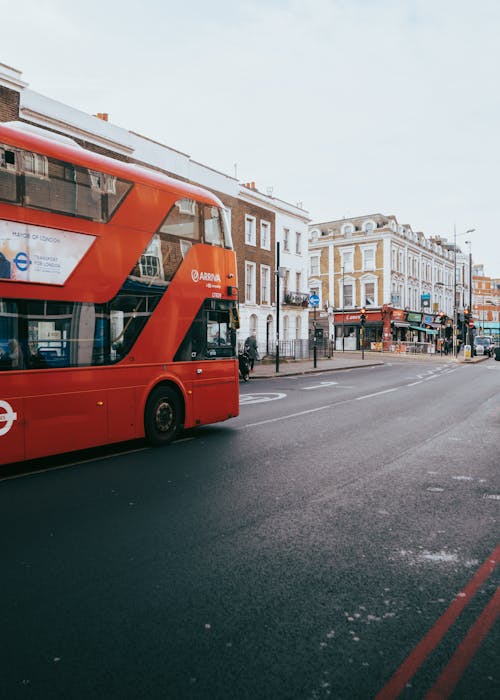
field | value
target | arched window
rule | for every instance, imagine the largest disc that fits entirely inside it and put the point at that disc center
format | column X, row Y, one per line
column 285, row 327
column 298, row 327
column 253, row 324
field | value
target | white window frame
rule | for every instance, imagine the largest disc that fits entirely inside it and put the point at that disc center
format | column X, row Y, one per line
column 298, row 281
column 265, row 283
column 250, row 230
column 298, row 243
column 369, row 279
column 369, row 249
column 314, row 264
column 286, row 239
column 343, row 253
column 265, row 235
column 347, row 282
column 369, row 226
column 250, row 282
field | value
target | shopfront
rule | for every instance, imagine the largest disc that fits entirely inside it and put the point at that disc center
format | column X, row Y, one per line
column 348, row 331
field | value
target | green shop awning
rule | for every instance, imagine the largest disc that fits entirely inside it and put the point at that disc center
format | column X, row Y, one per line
column 430, row 331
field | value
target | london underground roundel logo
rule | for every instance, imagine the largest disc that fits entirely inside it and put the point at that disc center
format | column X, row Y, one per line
column 7, row 417
column 195, row 275
column 22, row 262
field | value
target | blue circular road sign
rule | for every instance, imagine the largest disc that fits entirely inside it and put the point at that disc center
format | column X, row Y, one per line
column 314, row 300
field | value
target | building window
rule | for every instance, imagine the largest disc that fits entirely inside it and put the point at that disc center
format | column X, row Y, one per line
column 298, row 281
column 265, row 235
column 347, row 295
column 347, row 257
column 298, row 327
column 286, row 239
column 369, row 226
column 265, row 284
column 250, row 236
column 347, row 228
column 297, row 242
column 314, row 264
column 150, row 266
column 286, row 280
column 368, row 258
column 285, row 327
column 252, row 324
column 369, row 294
column 250, row 283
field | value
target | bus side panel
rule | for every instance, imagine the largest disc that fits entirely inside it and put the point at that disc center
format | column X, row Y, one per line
column 215, row 391
column 64, row 422
column 12, row 426
column 121, row 410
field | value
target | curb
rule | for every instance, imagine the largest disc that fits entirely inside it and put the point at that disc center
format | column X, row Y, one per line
column 314, row 370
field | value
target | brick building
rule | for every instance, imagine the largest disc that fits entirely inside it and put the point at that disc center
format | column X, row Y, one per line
column 254, row 216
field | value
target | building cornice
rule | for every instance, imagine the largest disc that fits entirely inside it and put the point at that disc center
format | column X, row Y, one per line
column 49, row 122
column 11, row 78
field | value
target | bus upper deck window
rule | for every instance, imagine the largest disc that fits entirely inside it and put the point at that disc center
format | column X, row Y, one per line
column 213, row 226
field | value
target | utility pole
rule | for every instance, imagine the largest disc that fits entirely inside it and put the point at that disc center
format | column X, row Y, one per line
column 277, row 306
column 343, row 308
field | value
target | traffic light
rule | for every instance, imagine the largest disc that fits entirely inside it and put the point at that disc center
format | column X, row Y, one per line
column 362, row 317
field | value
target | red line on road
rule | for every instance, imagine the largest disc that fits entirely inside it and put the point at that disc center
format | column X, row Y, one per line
column 414, row 661
column 456, row 666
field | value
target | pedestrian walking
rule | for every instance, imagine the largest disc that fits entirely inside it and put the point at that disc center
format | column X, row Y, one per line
column 251, row 349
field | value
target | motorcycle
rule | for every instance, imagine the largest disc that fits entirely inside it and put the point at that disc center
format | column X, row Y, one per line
column 244, row 365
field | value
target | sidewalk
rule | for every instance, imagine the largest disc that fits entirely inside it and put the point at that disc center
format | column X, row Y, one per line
column 349, row 360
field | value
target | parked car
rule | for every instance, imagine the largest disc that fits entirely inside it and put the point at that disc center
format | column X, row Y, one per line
column 483, row 345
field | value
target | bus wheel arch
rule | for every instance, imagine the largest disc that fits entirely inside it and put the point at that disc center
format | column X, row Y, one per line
column 163, row 414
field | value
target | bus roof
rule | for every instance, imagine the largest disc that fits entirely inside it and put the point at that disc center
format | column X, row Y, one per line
column 18, row 134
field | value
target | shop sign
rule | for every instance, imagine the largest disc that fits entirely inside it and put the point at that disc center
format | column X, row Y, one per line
column 356, row 318
column 413, row 317
column 428, row 319
column 398, row 315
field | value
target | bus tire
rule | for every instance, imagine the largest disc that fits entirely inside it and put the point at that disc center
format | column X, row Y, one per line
column 162, row 416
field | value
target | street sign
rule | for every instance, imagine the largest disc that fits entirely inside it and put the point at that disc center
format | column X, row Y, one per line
column 313, row 300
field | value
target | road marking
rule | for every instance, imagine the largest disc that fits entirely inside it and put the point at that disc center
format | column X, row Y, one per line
column 464, row 654
column 397, row 683
column 377, row 393
column 248, row 399
column 319, row 386
column 296, row 415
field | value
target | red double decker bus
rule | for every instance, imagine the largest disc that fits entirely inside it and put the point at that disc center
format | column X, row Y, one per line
column 118, row 301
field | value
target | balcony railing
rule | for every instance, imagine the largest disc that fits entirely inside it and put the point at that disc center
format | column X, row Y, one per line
column 295, row 299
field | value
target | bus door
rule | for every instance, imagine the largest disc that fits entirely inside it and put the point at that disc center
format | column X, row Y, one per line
column 67, row 406
column 212, row 373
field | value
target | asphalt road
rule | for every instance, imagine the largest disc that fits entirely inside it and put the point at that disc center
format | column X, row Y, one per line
column 344, row 523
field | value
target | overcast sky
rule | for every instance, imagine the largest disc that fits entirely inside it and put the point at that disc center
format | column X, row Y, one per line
column 351, row 107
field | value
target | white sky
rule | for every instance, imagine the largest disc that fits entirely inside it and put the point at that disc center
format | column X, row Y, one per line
column 351, row 107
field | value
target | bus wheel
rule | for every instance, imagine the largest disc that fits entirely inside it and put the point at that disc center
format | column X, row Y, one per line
column 162, row 416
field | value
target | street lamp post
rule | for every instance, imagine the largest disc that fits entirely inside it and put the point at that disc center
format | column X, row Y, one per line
column 469, row 331
column 455, row 310
column 343, row 308
column 277, row 273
